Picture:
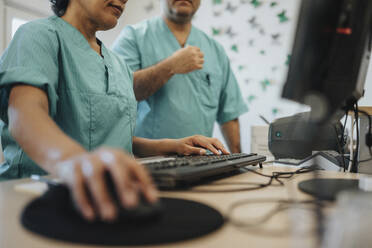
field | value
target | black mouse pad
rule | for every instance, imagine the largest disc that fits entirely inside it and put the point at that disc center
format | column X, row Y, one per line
column 51, row 215
column 327, row 189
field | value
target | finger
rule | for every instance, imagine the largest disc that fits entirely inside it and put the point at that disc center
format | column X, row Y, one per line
column 196, row 48
column 97, row 187
column 124, row 184
column 80, row 197
column 125, row 190
column 220, row 146
column 204, row 142
column 148, row 188
column 199, row 67
column 192, row 150
column 142, row 178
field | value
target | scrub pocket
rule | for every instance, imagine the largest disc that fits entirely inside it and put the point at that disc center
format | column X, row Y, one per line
column 209, row 85
column 112, row 121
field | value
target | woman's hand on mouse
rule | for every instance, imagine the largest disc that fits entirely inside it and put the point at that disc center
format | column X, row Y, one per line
column 197, row 145
column 86, row 172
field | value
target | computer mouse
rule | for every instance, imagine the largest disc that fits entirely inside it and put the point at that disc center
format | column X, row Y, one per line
column 143, row 212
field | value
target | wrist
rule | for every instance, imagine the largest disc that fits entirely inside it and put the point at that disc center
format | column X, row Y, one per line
column 167, row 146
column 56, row 162
column 168, row 66
column 235, row 149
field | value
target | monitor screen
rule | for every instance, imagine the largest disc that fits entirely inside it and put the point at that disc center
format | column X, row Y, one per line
column 330, row 56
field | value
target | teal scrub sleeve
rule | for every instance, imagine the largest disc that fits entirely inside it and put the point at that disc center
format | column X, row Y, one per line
column 231, row 104
column 126, row 46
column 30, row 59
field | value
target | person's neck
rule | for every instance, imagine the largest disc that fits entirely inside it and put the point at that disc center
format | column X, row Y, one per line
column 180, row 30
column 85, row 26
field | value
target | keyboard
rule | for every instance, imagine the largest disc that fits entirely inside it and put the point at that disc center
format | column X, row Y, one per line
column 179, row 171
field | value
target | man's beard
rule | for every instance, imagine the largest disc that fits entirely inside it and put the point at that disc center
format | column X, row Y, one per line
column 180, row 18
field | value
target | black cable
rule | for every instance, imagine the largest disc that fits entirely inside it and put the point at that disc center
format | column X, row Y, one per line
column 275, row 176
column 341, row 143
column 340, row 149
column 367, row 137
column 355, row 162
column 282, row 205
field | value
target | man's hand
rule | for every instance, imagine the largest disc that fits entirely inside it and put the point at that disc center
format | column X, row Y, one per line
column 186, row 60
column 149, row 80
column 86, row 172
column 194, row 146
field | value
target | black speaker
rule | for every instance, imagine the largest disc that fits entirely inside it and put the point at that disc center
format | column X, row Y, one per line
column 296, row 137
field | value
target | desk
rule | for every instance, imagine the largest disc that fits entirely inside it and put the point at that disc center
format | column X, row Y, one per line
column 13, row 235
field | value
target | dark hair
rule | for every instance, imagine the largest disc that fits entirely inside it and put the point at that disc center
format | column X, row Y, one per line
column 59, row 6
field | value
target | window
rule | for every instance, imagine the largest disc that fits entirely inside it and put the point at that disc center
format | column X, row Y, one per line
column 16, row 23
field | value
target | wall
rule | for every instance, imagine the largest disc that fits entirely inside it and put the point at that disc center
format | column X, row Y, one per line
column 257, row 36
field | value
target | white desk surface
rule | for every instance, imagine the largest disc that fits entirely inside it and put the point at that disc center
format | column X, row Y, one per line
column 13, row 235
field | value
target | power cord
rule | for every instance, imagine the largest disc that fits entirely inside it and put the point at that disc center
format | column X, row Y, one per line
column 251, row 224
column 355, row 162
column 275, row 176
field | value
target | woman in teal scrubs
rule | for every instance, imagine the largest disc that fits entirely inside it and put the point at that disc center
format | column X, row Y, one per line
column 69, row 109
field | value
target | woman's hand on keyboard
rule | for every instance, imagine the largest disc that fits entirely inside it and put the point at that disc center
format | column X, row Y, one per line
column 198, row 145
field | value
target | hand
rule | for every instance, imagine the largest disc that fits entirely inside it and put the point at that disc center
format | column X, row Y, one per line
column 86, row 171
column 192, row 145
column 186, row 60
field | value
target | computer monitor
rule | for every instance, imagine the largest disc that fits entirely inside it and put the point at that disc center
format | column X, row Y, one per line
column 330, row 57
column 328, row 68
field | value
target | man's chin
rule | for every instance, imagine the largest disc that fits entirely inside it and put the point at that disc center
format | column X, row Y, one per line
column 183, row 10
column 184, row 14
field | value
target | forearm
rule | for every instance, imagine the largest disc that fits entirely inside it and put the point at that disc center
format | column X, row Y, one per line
column 151, row 79
column 146, row 147
column 37, row 133
column 231, row 133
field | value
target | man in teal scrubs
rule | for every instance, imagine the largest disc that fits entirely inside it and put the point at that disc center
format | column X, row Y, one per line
column 182, row 77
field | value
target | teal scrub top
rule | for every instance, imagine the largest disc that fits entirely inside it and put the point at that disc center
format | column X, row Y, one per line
column 90, row 96
column 187, row 104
